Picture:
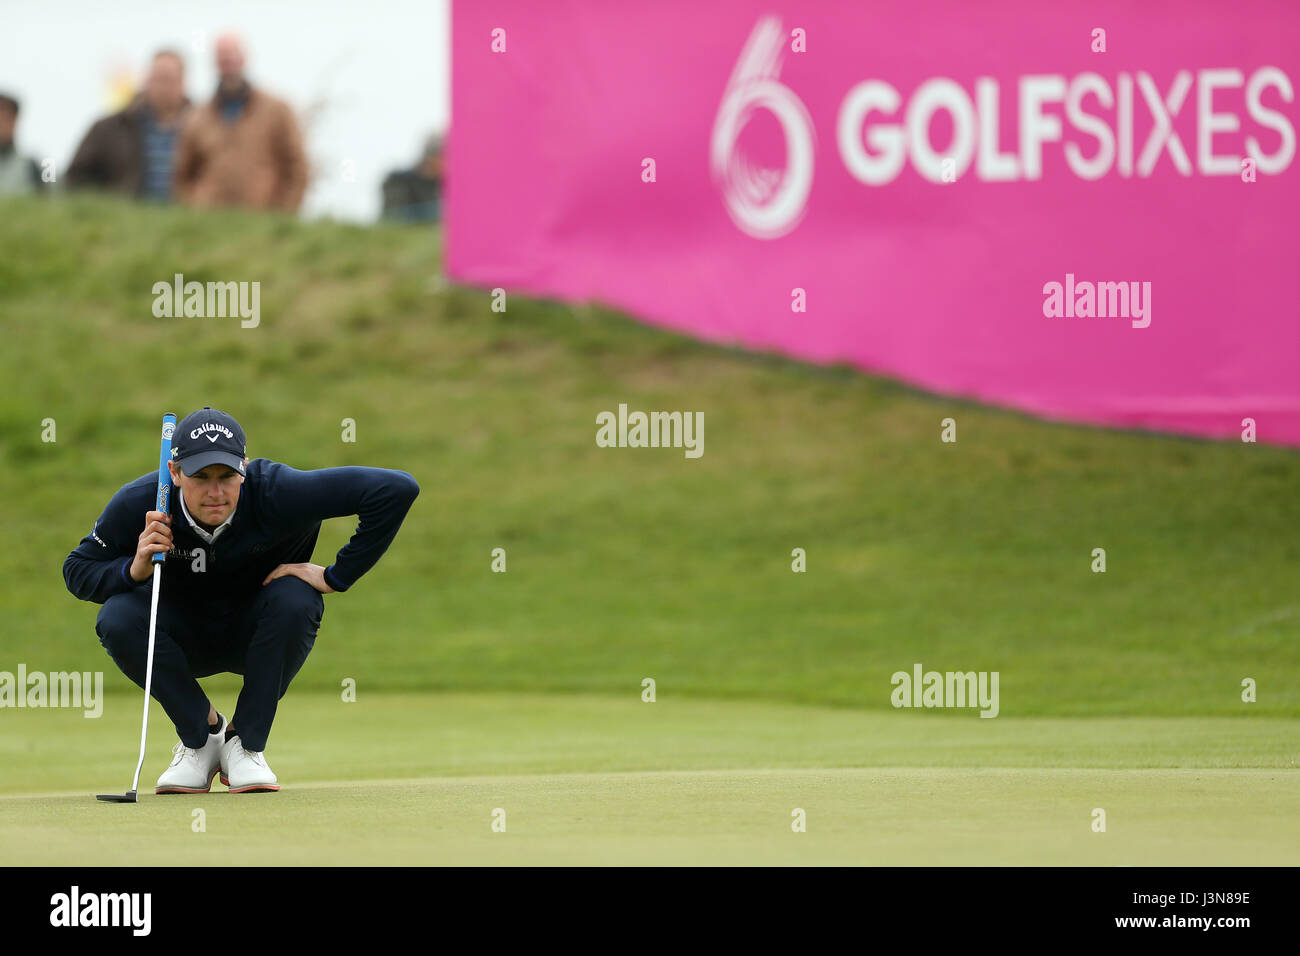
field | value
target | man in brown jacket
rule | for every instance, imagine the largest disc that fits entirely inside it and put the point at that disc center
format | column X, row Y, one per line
column 133, row 151
column 244, row 147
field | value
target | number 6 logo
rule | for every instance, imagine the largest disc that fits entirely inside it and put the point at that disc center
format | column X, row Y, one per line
column 765, row 203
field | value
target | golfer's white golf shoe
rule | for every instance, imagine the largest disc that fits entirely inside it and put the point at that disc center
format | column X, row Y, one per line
column 191, row 769
column 245, row 771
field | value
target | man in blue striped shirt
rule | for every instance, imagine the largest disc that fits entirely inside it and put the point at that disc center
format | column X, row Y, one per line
column 134, row 150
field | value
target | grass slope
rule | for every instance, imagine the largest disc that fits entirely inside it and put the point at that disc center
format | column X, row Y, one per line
column 630, row 563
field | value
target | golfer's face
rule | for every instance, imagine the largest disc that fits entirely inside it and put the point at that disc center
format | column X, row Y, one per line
column 211, row 493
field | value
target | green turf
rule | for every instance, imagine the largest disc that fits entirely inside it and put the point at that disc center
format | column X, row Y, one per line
column 625, row 564
column 414, row 779
column 889, row 817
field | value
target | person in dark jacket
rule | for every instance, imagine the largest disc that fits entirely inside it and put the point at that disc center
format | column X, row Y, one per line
column 415, row 195
column 238, row 591
column 133, row 152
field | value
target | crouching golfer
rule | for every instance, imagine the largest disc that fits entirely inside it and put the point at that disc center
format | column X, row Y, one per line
column 238, row 594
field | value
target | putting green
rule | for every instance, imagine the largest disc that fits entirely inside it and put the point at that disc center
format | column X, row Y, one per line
column 415, row 779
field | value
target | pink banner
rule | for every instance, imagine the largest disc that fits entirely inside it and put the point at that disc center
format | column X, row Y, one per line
column 1085, row 214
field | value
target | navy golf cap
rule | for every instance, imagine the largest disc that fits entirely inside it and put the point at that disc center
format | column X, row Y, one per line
column 208, row 437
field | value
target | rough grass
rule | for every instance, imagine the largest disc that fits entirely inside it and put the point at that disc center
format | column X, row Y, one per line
column 629, row 563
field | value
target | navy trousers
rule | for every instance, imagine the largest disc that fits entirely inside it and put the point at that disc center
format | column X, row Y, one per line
column 266, row 638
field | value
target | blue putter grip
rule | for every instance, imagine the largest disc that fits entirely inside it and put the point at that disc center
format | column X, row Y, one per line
column 164, row 476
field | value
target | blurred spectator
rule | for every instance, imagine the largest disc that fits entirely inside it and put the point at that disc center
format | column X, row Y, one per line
column 134, row 150
column 415, row 195
column 18, row 174
column 244, row 147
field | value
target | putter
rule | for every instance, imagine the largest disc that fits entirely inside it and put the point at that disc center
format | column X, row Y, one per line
column 164, row 496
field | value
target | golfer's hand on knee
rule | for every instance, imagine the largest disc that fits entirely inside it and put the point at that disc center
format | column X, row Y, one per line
column 313, row 574
column 156, row 536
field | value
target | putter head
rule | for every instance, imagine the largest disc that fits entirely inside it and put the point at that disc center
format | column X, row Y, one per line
column 128, row 797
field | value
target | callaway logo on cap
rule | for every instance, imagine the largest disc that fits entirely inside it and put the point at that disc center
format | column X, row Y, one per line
column 208, row 437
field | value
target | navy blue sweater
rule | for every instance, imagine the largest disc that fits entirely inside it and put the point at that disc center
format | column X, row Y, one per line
column 276, row 521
